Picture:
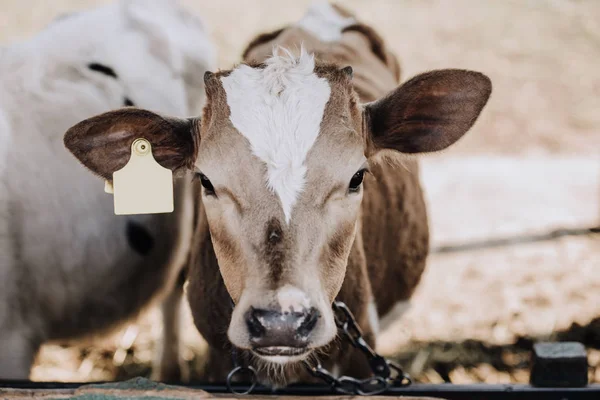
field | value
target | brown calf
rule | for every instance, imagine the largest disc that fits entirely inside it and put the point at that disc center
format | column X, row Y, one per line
column 285, row 224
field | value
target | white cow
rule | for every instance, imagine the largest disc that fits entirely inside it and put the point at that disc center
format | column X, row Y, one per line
column 68, row 266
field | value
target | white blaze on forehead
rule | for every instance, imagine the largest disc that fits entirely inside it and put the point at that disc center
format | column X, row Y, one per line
column 279, row 110
column 292, row 299
column 323, row 21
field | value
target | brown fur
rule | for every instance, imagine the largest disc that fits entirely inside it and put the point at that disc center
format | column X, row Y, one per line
column 396, row 258
column 388, row 254
column 438, row 123
column 206, row 289
column 260, row 39
column 103, row 143
column 274, row 254
column 370, row 251
column 377, row 47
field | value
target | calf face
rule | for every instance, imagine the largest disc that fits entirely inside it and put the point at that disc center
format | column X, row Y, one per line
column 281, row 152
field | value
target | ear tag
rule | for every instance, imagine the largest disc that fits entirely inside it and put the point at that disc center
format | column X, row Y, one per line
column 142, row 186
column 108, row 187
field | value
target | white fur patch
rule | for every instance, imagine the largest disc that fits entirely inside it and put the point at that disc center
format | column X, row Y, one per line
column 323, row 21
column 394, row 314
column 46, row 87
column 292, row 299
column 373, row 316
column 279, row 110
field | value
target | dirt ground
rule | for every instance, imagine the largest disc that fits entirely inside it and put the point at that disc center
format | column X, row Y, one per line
column 530, row 164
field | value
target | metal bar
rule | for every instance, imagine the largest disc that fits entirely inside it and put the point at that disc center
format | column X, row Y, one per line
column 446, row 390
column 514, row 240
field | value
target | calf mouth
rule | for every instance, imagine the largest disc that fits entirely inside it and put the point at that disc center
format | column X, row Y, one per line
column 281, row 354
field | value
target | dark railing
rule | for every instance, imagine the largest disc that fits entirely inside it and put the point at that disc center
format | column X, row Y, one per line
column 447, row 391
column 514, row 240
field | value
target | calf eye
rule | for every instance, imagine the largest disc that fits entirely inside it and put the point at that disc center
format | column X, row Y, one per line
column 356, row 181
column 209, row 190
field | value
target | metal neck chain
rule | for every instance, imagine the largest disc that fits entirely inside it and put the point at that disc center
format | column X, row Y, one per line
column 240, row 370
column 385, row 372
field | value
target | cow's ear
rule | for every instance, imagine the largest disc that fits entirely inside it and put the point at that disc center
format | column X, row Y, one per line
column 427, row 113
column 103, row 143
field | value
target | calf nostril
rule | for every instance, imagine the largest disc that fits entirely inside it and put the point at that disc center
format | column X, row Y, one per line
column 268, row 328
column 255, row 327
column 310, row 320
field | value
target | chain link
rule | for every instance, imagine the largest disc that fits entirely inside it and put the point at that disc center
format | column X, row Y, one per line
column 240, row 371
column 385, row 372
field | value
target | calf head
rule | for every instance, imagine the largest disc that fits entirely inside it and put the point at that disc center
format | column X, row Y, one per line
column 281, row 152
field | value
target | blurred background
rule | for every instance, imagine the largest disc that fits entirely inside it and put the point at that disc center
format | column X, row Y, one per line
column 500, row 276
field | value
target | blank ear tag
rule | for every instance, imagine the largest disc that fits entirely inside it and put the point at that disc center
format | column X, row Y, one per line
column 108, row 187
column 142, row 186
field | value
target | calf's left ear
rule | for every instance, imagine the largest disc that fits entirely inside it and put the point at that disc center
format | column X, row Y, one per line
column 103, row 143
column 427, row 113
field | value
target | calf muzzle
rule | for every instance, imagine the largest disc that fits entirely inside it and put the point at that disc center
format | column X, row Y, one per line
column 279, row 333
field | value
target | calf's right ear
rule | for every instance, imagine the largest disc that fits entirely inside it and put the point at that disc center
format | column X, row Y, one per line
column 103, row 143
